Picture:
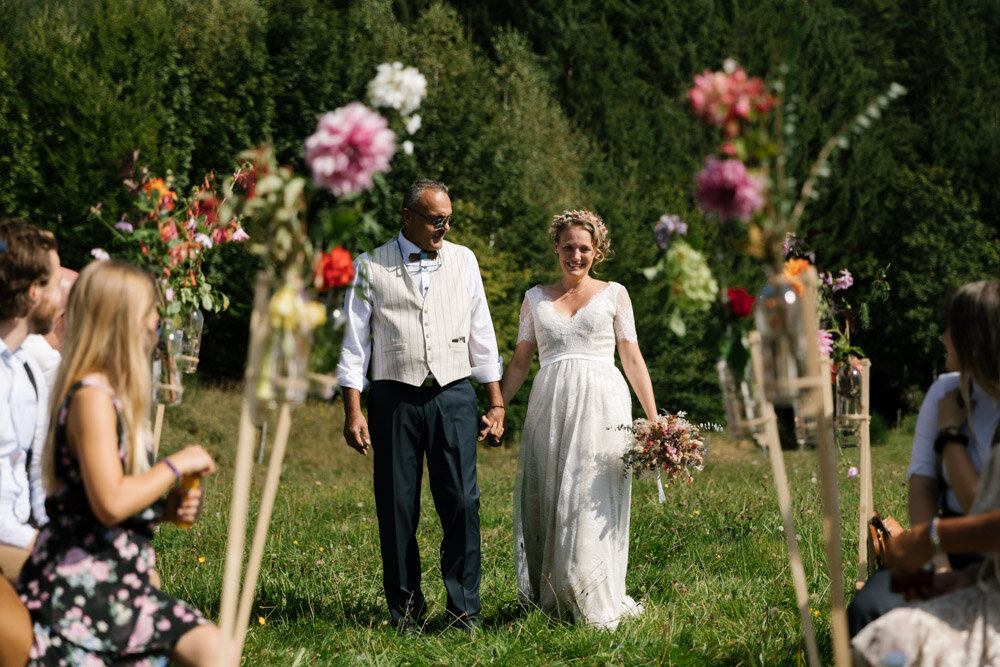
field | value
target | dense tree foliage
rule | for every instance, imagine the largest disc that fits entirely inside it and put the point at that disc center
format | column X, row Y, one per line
column 533, row 107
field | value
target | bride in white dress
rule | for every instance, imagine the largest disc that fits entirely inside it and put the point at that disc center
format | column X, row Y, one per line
column 571, row 502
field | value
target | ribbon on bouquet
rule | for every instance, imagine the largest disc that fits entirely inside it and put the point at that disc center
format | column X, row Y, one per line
column 659, row 488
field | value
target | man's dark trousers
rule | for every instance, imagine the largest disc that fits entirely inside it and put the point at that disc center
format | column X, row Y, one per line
column 406, row 423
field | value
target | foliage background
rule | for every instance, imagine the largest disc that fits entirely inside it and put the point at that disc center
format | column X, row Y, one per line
column 533, row 107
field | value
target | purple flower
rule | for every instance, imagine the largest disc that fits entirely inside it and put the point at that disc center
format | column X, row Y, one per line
column 204, row 239
column 349, row 145
column 825, row 342
column 725, row 188
column 124, row 226
column 844, row 281
column 825, row 278
column 852, row 472
column 100, row 254
column 240, row 235
column 668, row 224
column 789, row 238
column 168, row 294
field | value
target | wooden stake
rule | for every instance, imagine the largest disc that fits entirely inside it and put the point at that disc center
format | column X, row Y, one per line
column 784, row 498
column 865, row 504
column 158, row 426
column 827, row 457
column 259, row 332
column 263, row 522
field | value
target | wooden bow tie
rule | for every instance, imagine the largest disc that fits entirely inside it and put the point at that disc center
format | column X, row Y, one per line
column 423, row 254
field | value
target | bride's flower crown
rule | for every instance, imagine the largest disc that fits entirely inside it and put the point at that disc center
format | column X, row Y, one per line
column 570, row 216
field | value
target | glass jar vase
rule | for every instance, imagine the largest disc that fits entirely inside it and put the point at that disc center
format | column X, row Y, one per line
column 167, row 385
column 848, row 404
column 193, row 326
column 778, row 317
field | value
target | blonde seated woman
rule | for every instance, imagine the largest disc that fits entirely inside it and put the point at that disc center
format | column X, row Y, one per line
column 90, row 585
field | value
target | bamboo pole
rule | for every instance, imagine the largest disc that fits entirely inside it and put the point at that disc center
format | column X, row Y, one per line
column 259, row 331
column 827, row 455
column 263, row 523
column 784, row 498
column 158, row 426
column 866, row 502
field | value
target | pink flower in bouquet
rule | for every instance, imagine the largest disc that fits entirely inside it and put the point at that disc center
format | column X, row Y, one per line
column 728, row 97
column 824, row 339
column 168, row 231
column 844, row 281
column 724, row 187
column 349, row 145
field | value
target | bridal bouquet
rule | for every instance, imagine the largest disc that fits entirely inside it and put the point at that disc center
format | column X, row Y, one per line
column 670, row 445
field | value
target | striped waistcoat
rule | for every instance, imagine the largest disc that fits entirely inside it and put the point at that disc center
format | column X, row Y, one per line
column 412, row 334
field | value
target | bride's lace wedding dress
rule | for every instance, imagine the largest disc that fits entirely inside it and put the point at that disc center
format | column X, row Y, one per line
column 571, row 502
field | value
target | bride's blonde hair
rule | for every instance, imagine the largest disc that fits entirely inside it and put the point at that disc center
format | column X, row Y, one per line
column 106, row 333
column 587, row 220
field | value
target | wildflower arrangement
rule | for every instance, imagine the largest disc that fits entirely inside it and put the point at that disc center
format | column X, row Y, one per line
column 744, row 186
column 302, row 236
column 836, row 314
column 670, row 446
column 745, row 180
column 169, row 234
column 690, row 285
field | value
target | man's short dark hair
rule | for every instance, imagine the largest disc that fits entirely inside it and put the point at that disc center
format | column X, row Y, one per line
column 24, row 261
column 417, row 189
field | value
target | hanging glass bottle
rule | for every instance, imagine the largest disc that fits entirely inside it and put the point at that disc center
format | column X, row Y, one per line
column 848, row 404
column 194, row 324
column 778, row 316
column 167, row 387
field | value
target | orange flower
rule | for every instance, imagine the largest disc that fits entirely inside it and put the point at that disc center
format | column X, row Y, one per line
column 794, row 268
column 164, row 196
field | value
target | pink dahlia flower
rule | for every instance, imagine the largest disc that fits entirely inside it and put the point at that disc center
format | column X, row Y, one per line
column 349, row 145
column 725, row 188
column 824, row 340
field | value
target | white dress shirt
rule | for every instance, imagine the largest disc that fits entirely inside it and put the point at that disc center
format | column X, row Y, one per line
column 45, row 355
column 23, row 427
column 985, row 418
column 355, row 354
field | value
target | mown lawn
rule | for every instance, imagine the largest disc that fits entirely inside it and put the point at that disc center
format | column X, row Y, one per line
column 709, row 565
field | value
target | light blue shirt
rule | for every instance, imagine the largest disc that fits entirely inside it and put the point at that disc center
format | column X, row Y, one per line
column 23, row 429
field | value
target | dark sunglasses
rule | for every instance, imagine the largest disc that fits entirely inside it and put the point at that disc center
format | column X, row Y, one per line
column 439, row 222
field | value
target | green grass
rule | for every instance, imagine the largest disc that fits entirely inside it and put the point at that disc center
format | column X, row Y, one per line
column 710, row 564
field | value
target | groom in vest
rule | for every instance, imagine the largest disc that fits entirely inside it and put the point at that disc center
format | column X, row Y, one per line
column 419, row 325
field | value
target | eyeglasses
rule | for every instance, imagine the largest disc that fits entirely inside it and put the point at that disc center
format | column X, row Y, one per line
column 439, row 222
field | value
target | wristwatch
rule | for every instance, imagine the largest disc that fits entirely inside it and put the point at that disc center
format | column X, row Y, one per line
column 949, row 434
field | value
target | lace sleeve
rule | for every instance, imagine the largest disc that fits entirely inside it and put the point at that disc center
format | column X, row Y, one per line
column 624, row 318
column 526, row 329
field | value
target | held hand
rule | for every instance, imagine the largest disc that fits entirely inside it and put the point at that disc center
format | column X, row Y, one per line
column 492, row 426
column 909, row 552
column 183, row 505
column 356, row 432
column 193, row 460
column 951, row 412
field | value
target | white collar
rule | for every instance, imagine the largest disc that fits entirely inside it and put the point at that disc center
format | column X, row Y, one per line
column 408, row 247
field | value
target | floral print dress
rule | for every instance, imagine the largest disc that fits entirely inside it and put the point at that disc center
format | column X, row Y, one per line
column 87, row 585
